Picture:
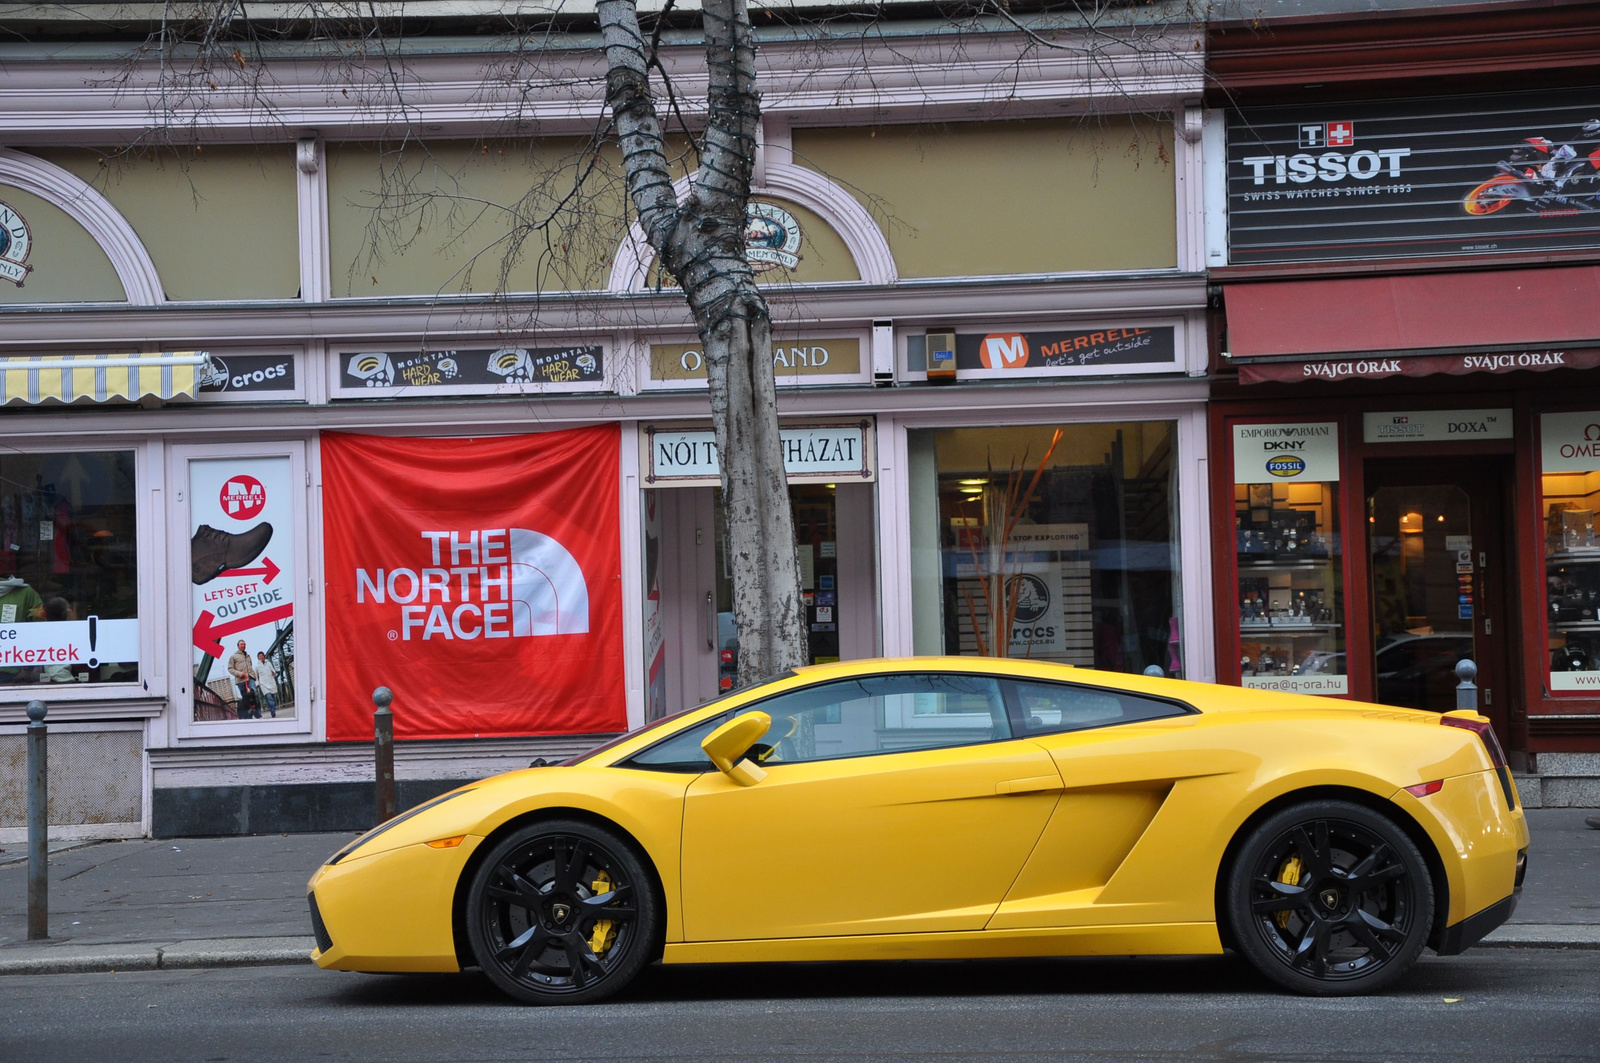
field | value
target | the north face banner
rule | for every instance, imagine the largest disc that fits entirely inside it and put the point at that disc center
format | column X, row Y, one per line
column 477, row 579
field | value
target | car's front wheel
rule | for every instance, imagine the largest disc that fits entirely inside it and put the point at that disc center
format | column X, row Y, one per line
column 1330, row 898
column 562, row 912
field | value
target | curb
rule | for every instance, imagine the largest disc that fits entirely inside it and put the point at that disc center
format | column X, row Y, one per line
column 1542, row 936
column 294, row 951
column 178, row 955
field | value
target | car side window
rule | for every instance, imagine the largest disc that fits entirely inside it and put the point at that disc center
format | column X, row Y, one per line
column 682, row 751
column 882, row 714
column 1050, row 708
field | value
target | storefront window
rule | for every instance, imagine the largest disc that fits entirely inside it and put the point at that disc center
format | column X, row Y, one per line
column 1570, row 464
column 1286, row 540
column 68, row 587
column 1057, row 544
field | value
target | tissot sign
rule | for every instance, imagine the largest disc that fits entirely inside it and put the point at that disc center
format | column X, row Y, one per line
column 1462, row 175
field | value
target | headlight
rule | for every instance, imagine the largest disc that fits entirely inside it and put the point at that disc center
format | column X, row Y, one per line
column 395, row 822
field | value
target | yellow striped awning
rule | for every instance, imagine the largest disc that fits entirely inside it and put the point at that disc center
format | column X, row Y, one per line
column 100, row 377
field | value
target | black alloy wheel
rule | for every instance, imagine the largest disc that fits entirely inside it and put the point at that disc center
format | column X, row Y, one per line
column 1330, row 898
column 562, row 912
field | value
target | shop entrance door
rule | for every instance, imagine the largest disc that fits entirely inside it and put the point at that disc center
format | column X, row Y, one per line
column 1438, row 571
column 836, row 542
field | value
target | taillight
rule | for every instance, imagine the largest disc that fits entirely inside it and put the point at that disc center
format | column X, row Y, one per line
column 1485, row 732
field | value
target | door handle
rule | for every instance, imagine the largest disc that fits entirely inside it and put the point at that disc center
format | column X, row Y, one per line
column 1039, row 784
column 711, row 620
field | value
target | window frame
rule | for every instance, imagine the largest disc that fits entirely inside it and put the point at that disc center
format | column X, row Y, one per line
column 1009, row 685
column 728, row 714
column 151, row 684
column 309, row 720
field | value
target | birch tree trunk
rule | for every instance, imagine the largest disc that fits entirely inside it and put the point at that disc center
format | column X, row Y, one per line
column 700, row 242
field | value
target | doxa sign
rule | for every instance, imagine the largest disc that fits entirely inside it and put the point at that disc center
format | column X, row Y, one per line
column 687, row 457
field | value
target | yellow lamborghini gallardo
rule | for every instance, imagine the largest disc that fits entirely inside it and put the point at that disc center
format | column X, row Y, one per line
column 948, row 808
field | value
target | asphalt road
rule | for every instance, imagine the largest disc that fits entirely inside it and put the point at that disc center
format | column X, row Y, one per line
column 1491, row 1004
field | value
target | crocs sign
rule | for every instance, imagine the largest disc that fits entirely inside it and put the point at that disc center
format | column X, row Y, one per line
column 479, row 579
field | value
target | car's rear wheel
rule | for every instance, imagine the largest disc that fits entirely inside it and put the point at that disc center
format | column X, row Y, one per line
column 562, row 912
column 1330, row 898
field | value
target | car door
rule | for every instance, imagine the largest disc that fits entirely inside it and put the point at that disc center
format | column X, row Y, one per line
column 891, row 804
column 1125, row 842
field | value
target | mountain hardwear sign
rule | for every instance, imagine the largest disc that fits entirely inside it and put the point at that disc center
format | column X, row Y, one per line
column 478, row 579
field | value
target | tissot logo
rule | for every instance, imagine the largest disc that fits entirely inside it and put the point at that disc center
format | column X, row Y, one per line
column 1327, row 134
column 490, row 583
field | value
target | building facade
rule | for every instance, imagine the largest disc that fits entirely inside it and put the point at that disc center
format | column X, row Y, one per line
column 1403, row 231
column 285, row 422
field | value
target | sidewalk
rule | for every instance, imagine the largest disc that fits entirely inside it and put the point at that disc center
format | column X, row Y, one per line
column 194, row 902
column 219, row 902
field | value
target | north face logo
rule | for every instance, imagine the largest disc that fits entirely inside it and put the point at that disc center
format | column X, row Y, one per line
column 491, row 583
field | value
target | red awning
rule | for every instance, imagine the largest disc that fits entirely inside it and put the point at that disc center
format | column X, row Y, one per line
column 1458, row 323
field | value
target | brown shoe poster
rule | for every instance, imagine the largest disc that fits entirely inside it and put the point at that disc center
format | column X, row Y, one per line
column 241, row 558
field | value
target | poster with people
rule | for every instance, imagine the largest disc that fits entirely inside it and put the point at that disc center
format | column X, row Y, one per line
column 241, row 559
column 478, row 579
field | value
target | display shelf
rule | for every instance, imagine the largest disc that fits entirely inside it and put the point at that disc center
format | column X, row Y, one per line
column 1298, row 564
column 1582, row 555
column 1289, row 608
column 1576, row 625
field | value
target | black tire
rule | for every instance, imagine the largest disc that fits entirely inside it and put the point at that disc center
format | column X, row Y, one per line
column 1329, row 898
column 535, row 907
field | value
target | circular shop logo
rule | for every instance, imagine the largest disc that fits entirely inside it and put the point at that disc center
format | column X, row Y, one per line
column 771, row 238
column 15, row 243
column 1033, row 597
column 243, row 497
column 1286, row 465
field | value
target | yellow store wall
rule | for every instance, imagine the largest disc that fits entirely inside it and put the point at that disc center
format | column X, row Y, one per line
column 220, row 223
column 1038, row 196
column 68, row 266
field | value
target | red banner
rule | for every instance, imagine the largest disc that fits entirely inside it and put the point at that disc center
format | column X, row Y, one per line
column 1378, row 366
column 477, row 579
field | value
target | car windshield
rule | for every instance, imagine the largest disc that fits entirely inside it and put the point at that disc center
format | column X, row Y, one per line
column 621, row 738
column 654, row 724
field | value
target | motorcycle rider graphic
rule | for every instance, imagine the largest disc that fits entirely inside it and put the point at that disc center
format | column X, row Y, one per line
column 1543, row 178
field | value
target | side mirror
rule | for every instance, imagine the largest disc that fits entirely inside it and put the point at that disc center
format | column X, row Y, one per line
column 727, row 745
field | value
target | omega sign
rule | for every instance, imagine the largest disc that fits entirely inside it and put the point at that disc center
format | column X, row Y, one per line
column 1570, row 442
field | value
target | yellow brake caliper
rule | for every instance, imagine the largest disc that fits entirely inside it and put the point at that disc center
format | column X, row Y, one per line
column 605, row 930
column 1289, row 873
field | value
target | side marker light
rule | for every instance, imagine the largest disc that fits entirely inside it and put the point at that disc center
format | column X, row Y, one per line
column 447, row 843
column 1422, row 789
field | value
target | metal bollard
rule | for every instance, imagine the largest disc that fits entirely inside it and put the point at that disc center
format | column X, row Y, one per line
column 1466, row 690
column 38, row 825
column 1155, row 670
column 383, row 750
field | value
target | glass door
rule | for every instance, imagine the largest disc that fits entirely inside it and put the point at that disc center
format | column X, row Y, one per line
column 1436, row 565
